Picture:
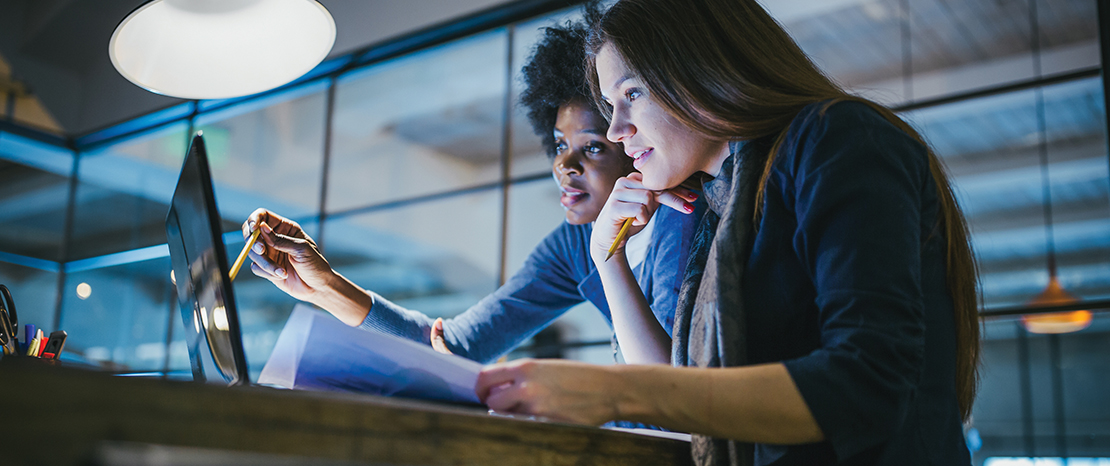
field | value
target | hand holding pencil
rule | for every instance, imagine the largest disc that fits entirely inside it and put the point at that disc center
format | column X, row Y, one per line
column 629, row 208
column 284, row 254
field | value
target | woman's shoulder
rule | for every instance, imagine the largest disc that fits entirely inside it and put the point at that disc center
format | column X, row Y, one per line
column 839, row 115
column 845, row 129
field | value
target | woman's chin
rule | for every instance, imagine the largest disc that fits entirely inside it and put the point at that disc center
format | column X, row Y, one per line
column 578, row 218
column 656, row 184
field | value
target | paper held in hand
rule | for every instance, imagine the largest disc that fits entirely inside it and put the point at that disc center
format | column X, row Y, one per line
column 317, row 352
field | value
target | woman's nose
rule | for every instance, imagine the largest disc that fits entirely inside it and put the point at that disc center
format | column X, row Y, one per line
column 565, row 163
column 619, row 128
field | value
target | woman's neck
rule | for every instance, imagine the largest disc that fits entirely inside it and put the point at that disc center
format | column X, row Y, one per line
column 714, row 167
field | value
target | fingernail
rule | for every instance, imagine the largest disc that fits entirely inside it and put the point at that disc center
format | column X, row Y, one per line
column 281, row 273
column 693, row 196
column 688, row 207
column 257, row 248
column 251, row 226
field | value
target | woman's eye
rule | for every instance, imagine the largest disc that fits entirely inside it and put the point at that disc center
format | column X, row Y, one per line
column 560, row 146
column 594, row 149
column 632, row 94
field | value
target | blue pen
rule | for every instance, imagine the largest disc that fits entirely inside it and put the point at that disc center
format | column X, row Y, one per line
column 28, row 335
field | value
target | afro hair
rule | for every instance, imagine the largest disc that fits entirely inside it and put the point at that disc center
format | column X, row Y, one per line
column 556, row 74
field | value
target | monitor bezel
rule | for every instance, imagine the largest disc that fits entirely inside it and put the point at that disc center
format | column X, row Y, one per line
column 186, row 304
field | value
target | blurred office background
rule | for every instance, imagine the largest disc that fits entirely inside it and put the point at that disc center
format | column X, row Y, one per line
column 406, row 156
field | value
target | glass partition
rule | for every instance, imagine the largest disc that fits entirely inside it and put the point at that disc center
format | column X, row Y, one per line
column 439, row 257
column 268, row 153
column 420, row 124
column 124, row 192
column 118, row 317
column 529, row 156
column 1043, row 395
column 992, row 148
column 34, row 192
column 897, row 51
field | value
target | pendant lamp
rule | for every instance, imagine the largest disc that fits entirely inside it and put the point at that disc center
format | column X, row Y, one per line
column 1054, row 293
column 218, row 49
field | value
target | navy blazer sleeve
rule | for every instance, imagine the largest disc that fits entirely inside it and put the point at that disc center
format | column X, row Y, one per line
column 855, row 182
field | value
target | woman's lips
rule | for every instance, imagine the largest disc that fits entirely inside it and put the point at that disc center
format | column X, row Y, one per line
column 640, row 157
column 571, row 196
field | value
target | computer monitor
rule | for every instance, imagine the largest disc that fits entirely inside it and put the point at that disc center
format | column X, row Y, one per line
column 201, row 273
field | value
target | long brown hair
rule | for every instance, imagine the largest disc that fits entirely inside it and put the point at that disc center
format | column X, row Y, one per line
column 728, row 70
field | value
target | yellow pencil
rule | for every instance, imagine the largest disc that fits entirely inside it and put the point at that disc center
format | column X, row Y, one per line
column 620, row 237
column 243, row 255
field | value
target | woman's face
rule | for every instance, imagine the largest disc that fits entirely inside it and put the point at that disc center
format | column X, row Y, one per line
column 586, row 165
column 664, row 150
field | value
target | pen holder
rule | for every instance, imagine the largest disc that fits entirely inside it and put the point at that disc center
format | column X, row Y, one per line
column 23, row 359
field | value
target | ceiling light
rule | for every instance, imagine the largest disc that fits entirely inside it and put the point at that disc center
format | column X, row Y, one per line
column 216, row 49
column 84, row 290
column 1056, row 322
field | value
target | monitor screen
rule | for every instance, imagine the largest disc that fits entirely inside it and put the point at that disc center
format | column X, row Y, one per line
column 200, row 269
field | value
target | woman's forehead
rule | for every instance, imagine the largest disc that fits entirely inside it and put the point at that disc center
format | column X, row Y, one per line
column 612, row 70
column 579, row 116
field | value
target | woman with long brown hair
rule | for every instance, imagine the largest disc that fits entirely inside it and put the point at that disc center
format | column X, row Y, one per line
column 828, row 313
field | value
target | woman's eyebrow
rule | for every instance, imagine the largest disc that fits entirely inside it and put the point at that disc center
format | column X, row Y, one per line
column 620, row 81
column 616, row 85
column 598, row 131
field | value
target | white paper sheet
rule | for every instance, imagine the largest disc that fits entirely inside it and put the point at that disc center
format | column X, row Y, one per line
column 317, row 352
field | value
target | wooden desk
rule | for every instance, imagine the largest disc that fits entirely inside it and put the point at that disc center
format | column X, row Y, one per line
column 61, row 416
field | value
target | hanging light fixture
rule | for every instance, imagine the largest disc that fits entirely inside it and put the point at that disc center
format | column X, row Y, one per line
column 1054, row 294
column 216, row 49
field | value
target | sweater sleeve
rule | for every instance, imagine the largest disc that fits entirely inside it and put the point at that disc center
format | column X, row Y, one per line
column 665, row 267
column 856, row 182
column 543, row 289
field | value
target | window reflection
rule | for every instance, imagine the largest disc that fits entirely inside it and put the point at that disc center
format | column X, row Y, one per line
column 34, row 190
column 952, row 46
column 529, row 157
column 124, row 192
column 426, row 123
column 1017, row 413
column 990, row 145
column 268, row 154
column 439, row 257
column 122, row 324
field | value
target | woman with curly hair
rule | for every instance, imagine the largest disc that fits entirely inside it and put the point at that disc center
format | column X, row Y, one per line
column 556, row 276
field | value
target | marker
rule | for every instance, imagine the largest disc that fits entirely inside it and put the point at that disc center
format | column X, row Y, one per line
column 28, row 335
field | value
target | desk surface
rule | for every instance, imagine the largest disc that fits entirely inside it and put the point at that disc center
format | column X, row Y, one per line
column 61, row 416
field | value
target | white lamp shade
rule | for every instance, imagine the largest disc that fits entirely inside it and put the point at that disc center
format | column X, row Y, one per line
column 217, row 49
